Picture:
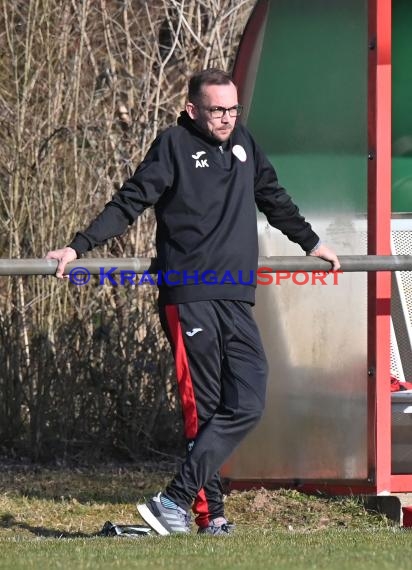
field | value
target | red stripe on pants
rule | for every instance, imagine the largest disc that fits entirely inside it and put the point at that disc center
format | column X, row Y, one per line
column 184, row 379
column 187, row 396
column 201, row 508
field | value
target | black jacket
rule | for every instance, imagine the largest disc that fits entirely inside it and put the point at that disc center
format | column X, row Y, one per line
column 204, row 194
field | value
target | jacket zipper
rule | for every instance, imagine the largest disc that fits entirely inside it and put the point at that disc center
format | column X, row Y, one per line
column 222, row 155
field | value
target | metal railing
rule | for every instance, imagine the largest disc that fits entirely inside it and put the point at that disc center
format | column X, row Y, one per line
column 139, row 265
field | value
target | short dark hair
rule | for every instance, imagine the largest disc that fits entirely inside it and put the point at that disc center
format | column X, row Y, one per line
column 211, row 76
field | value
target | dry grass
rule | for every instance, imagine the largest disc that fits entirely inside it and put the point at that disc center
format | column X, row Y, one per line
column 292, row 510
column 71, row 503
column 45, row 502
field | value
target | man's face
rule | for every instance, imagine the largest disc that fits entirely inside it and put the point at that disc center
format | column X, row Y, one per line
column 213, row 96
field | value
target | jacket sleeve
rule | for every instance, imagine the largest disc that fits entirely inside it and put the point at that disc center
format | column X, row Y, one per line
column 273, row 201
column 151, row 179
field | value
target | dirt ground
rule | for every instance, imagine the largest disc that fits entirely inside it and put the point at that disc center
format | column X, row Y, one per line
column 83, row 498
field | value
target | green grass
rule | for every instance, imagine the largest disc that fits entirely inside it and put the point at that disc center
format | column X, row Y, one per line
column 254, row 549
column 50, row 518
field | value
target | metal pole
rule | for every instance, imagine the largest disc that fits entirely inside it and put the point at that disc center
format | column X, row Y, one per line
column 139, row 265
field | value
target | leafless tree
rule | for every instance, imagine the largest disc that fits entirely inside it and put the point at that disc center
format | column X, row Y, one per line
column 85, row 86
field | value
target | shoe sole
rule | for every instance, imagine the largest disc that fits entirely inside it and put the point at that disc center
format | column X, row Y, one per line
column 151, row 520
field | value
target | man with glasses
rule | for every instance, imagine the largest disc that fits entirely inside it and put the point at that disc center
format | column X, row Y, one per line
column 205, row 176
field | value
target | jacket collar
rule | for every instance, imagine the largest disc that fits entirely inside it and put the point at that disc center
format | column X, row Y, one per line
column 185, row 121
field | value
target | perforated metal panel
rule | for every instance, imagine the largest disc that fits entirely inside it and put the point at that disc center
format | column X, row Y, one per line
column 401, row 349
column 401, row 339
column 396, row 363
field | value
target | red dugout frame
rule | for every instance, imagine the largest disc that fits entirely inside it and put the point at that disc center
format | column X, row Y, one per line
column 380, row 479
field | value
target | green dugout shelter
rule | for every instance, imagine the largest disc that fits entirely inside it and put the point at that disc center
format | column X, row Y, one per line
column 327, row 90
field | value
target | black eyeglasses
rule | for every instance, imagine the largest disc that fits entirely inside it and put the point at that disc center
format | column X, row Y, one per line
column 219, row 112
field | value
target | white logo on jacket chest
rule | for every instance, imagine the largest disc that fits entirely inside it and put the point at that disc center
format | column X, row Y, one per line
column 239, row 152
column 200, row 163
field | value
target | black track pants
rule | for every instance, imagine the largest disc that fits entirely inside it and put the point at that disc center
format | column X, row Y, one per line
column 221, row 372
